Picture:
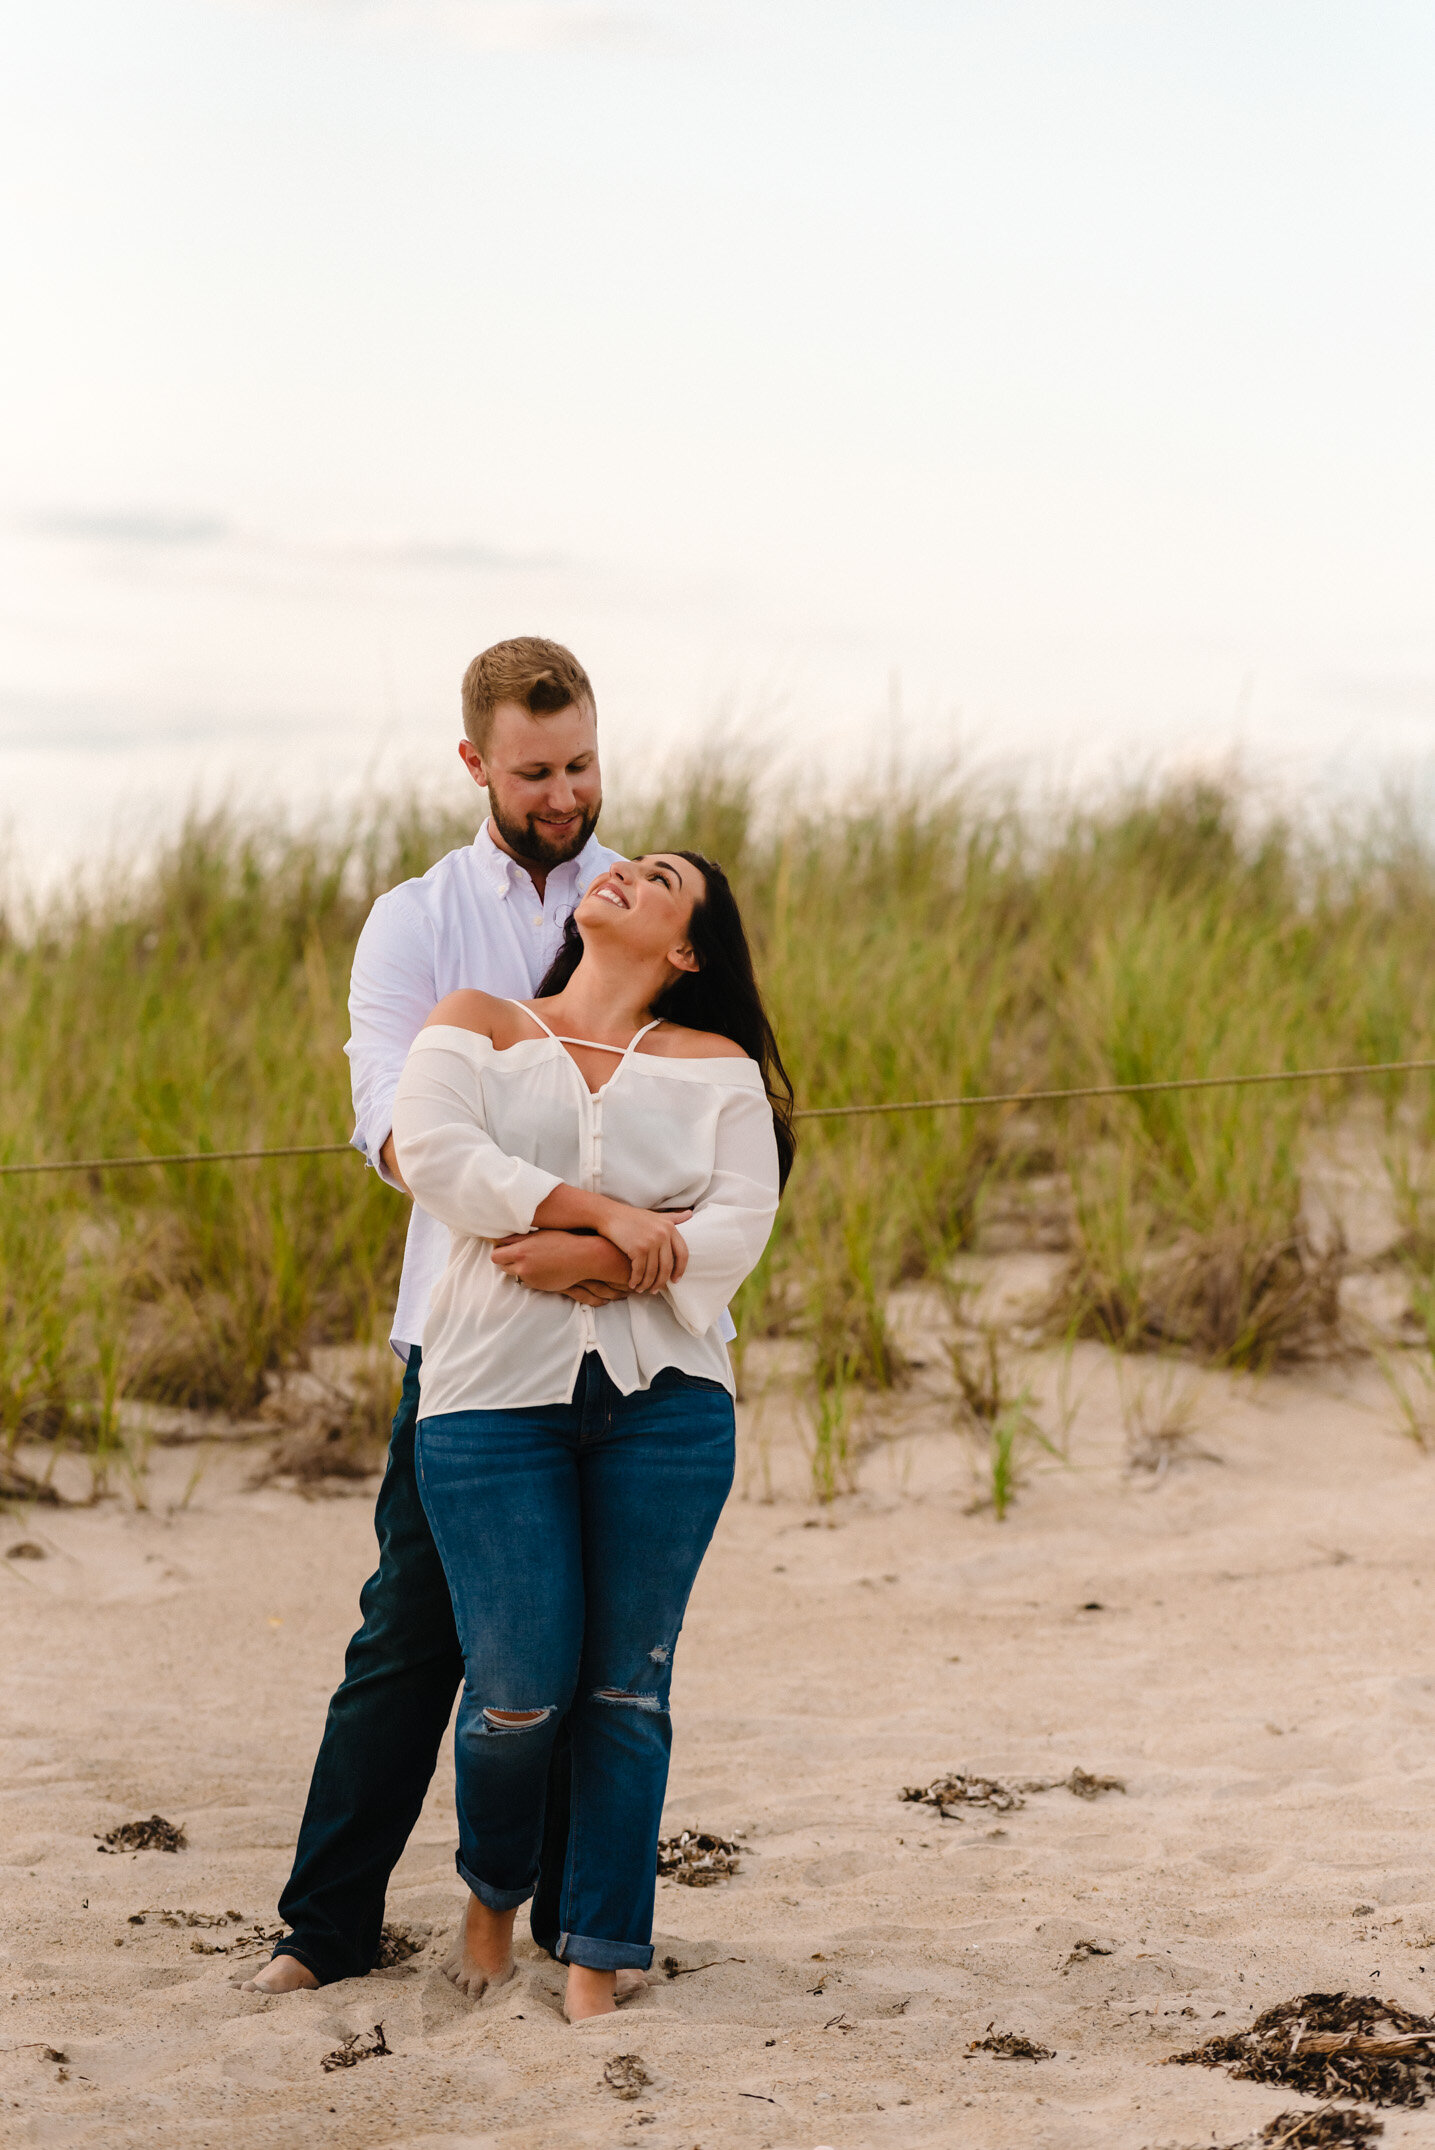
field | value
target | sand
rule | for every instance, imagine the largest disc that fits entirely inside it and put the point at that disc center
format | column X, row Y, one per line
column 1246, row 1638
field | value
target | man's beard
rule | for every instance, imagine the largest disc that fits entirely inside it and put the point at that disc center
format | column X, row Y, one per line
column 527, row 841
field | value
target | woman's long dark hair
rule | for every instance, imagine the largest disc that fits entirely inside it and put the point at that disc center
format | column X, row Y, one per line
column 722, row 995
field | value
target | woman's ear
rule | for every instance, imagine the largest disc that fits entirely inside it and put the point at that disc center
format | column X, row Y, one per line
column 683, row 957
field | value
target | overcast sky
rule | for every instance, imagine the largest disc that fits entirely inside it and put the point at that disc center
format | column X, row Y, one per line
column 1051, row 379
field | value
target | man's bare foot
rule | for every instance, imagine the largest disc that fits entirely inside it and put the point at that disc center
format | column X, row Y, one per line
column 282, row 1974
column 590, row 1993
column 482, row 1954
column 627, row 1985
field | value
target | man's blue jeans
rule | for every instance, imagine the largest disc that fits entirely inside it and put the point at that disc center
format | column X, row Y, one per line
column 381, row 1740
column 571, row 1535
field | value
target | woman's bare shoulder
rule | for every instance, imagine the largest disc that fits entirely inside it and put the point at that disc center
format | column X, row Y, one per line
column 676, row 1042
column 468, row 1009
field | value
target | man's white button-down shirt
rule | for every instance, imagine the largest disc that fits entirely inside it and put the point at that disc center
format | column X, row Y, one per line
column 474, row 919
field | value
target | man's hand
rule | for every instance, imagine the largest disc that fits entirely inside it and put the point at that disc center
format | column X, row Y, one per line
column 593, row 1292
column 578, row 1264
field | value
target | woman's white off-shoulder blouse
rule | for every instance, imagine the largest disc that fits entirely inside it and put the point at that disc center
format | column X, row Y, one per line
column 483, row 1136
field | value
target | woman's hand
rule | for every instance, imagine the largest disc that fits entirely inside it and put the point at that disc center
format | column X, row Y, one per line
column 652, row 1242
column 656, row 1250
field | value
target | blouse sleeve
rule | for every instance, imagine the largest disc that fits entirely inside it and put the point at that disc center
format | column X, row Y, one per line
column 732, row 1221
column 455, row 1169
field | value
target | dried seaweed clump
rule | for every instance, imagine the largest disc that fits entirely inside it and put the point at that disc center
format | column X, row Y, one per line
column 397, row 1944
column 1323, row 2127
column 154, row 1835
column 626, row 2076
column 1010, row 2045
column 359, row 2045
column 187, row 1918
column 697, row 1859
column 958, row 1789
column 1082, row 1785
column 950, row 1794
column 1331, row 2045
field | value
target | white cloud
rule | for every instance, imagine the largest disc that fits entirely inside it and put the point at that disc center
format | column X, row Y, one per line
column 147, row 533
column 494, row 25
column 124, row 526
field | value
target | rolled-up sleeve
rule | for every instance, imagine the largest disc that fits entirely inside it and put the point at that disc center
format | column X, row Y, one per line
column 732, row 1222
column 455, row 1168
column 391, row 991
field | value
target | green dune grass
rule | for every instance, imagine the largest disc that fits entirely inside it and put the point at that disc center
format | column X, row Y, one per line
column 915, row 945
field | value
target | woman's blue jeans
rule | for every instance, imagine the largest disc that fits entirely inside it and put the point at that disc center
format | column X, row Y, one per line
column 571, row 1535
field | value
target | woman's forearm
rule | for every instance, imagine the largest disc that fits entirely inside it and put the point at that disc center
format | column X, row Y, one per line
column 650, row 1238
column 571, row 1209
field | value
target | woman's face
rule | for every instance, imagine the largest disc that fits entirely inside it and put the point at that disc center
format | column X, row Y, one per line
column 645, row 906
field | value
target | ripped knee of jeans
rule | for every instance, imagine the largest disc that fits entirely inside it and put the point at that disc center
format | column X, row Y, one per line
column 625, row 1698
column 516, row 1720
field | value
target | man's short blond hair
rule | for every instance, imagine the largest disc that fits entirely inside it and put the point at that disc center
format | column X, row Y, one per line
column 540, row 676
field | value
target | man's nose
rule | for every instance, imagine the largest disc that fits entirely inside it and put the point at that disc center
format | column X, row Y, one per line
column 561, row 798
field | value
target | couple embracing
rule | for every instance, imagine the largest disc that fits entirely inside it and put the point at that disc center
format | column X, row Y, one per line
column 563, row 1056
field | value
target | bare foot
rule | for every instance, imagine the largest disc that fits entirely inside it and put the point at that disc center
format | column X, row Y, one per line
column 590, row 1993
column 282, row 1974
column 482, row 1954
column 627, row 1985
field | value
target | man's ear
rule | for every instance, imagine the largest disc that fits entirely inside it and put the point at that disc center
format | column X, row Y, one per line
column 683, row 958
column 472, row 760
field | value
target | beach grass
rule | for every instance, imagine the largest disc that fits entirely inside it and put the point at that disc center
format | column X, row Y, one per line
column 922, row 942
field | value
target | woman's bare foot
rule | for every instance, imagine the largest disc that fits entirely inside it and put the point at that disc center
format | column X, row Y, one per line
column 282, row 1974
column 590, row 1993
column 482, row 1953
column 627, row 1985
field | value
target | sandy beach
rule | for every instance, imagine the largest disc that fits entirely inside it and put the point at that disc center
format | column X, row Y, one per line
column 1246, row 1638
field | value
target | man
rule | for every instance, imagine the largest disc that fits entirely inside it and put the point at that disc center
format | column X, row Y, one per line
column 489, row 915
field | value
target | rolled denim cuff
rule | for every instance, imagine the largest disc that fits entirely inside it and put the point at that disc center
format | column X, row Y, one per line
column 495, row 1899
column 595, row 1955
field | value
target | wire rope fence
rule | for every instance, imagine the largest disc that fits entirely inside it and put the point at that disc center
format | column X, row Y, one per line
column 1352, row 1071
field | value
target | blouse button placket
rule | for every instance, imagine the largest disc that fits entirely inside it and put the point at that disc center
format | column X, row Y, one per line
column 595, row 1166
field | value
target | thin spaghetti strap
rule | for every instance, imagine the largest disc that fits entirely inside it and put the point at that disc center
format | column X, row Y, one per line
column 529, row 1012
column 592, row 1045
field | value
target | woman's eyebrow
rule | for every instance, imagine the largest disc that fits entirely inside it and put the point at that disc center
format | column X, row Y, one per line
column 663, row 866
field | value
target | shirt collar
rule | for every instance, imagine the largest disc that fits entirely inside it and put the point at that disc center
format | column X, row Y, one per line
column 502, row 871
column 493, row 864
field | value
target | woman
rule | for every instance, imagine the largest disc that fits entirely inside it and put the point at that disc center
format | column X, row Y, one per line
column 609, row 1169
